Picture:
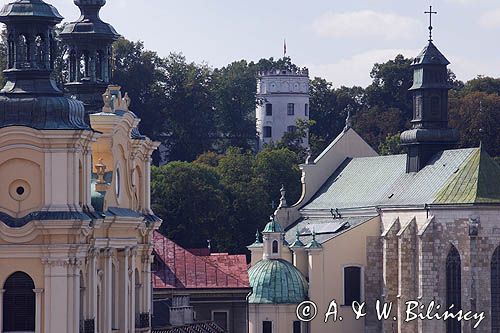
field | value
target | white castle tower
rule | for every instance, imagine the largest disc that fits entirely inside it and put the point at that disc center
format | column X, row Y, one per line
column 284, row 99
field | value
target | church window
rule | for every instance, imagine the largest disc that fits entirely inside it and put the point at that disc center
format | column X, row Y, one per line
column 453, row 288
column 291, row 129
column 275, row 246
column 221, row 318
column 495, row 291
column 269, row 109
column 267, row 326
column 306, row 110
column 296, row 327
column 19, row 303
column 268, row 131
column 352, row 284
column 290, row 109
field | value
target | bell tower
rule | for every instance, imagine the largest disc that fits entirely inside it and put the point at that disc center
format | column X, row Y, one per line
column 430, row 132
column 89, row 42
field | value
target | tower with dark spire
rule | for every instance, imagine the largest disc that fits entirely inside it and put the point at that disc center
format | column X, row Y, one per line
column 89, row 42
column 30, row 96
column 430, row 133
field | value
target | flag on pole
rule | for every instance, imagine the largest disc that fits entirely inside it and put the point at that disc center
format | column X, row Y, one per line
column 284, row 47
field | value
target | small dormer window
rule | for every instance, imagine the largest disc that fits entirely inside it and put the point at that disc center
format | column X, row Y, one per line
column 275, row 246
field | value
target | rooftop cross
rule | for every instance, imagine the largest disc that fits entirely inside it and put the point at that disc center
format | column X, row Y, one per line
column 430, row 12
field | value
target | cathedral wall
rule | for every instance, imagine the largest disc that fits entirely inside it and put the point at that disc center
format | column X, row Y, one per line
column 282, row 317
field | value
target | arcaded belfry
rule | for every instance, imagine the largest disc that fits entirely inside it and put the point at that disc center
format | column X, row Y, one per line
column 89, row 43
column 75, row 220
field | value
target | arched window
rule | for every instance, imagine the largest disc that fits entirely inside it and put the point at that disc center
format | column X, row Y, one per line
column 23, row 53
column 275, row 246
column 495, row 291
column 352, row 284
column 453, row 288
column 72, row 66
column 19, row 303
column 40, row 51
column 11, row 51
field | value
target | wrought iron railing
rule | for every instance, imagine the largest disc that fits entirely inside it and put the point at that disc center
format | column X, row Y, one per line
column 143, row 320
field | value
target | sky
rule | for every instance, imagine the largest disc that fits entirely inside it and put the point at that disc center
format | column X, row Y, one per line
column 337, row 40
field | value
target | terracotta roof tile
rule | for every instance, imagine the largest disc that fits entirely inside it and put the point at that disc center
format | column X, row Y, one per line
column 181, row 268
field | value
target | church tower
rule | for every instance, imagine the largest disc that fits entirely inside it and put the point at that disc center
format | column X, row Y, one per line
column 89, row 42
column 283, row 97
column 430, row 132
column 76, row 225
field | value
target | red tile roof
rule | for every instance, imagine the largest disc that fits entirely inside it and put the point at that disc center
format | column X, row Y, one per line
column 178, row 268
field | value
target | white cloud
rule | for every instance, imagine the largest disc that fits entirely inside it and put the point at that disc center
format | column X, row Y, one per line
column 366, row 24
column 490, row 19
column 356, row 69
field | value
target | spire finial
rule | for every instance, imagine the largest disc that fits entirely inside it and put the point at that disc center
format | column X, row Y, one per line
column 283, row 197
column 430, row 12
column 257, row 236
column 297, row 234
column 348, row 120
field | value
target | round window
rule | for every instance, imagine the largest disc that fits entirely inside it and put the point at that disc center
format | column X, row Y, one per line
column 19, row 190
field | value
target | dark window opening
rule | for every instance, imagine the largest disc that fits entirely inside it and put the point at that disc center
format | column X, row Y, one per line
column 268, row 131
column 220, row 318
column 453, row 289
column 275, row 246
column 291, row 109
column 267, row 327
column 296, row 327
column 495, row 291
column 269, row 109
column 291, row 129
column 352, row 285
column 19, row 304
column 306, row 110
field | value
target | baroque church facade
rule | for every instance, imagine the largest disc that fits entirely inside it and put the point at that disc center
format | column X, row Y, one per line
column 418, row 232
column 76, row 224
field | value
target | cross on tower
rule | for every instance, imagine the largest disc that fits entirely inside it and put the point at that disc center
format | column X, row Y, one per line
column 430, row 12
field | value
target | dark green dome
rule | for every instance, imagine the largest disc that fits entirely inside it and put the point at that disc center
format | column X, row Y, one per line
column 30, row 9
column 276, row 281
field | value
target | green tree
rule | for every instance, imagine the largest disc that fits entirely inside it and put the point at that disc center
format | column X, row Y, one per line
column 476, row 117
column 375, row 124
column 391, row 145
column 294, row 140
column 192, row 203
column 276, row 167
column 484, row 84
column 235, row 102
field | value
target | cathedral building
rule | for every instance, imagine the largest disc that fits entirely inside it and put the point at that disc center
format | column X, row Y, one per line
column 76, row 225
column 417, row 232
column 283, row 99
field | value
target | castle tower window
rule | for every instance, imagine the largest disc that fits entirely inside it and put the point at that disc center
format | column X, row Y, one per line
column 290, row 110
column 352, row 285
column 306, row 110
column 268, row 131
column 267, row 326
column 19, row 304
column 291, row 129
column 269, row 109
column 495, row 291
column 453, row 288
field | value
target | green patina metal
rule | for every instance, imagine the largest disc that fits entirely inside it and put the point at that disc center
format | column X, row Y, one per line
column 276, row 281
column 476, row 181
column 297, row 243
column 273, row 226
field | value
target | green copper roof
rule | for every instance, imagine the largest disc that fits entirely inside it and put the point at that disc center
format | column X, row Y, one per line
column 297, row 243
column 313, row 245
column 257, row 242
column 273, row 226
column 276, row 282
column 477, row 180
